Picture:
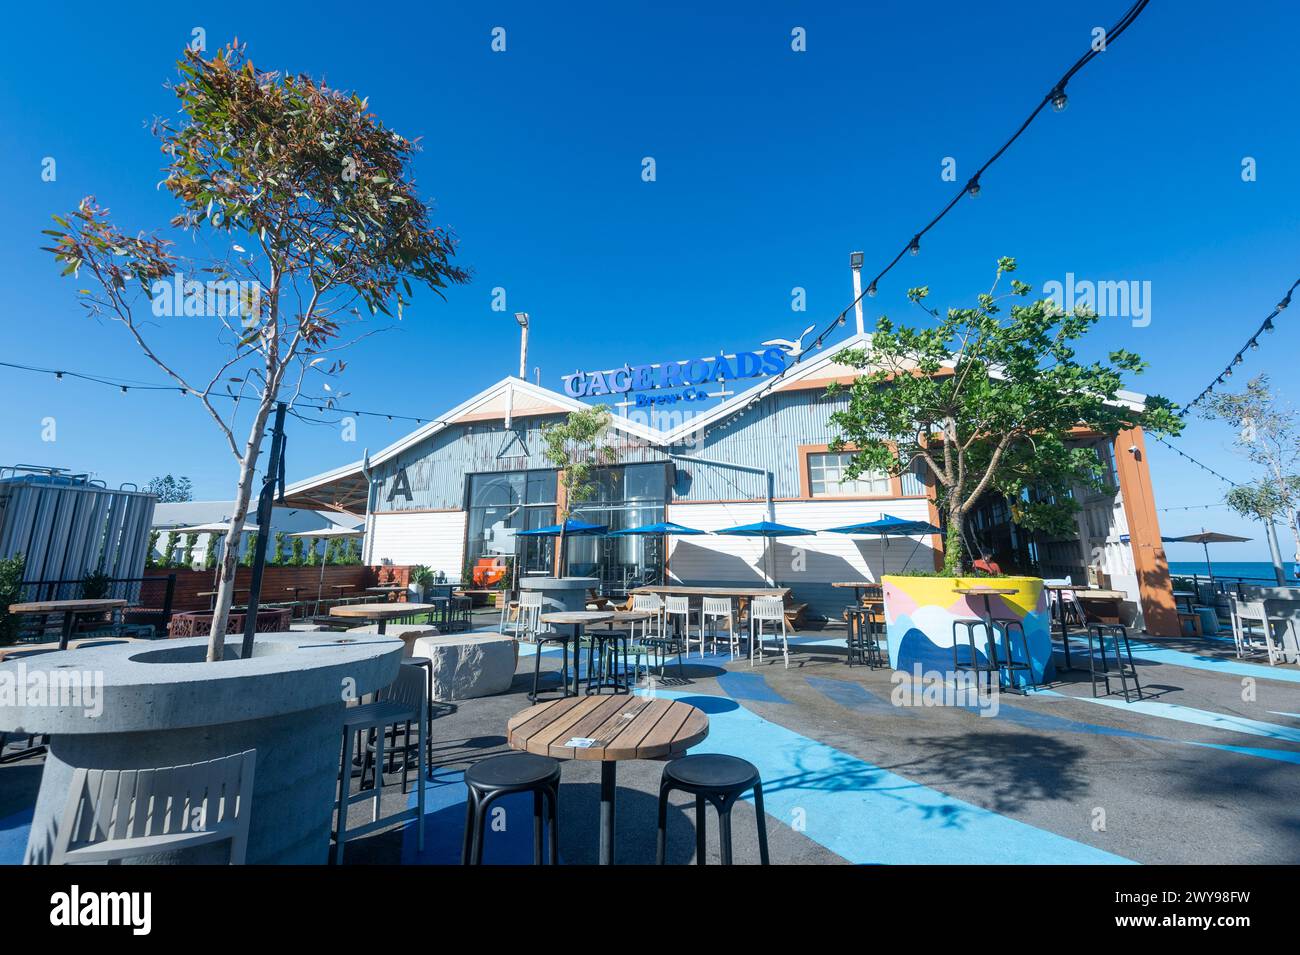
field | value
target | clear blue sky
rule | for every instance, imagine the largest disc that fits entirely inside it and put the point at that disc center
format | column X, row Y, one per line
column 772, row 166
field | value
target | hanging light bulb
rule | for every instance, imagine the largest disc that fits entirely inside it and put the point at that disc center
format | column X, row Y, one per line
column 1059, row 99
column 1268, row 325
column 973, row 188
column 1285, row 302
column 1254, row 345
column 915, row 247
column 871, row 290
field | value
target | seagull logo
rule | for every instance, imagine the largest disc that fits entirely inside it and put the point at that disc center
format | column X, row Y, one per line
column 792, row 348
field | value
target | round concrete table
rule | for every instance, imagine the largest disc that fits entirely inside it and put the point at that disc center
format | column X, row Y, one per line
column 69, row 609
column 608, row 728
column 577, row 619
column 381, row 613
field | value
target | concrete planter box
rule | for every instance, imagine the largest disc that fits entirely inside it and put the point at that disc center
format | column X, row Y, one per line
column 561, row 593
column 919, row 614
column 163, row 705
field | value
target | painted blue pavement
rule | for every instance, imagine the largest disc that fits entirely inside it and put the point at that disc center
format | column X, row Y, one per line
column 507, row 836
column 1188, row 714
column 866, row 814
column 1195, row 661
column 749, row 686
column 854, row 696
column 14, row 831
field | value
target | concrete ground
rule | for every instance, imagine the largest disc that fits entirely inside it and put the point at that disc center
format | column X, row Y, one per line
column 1204, row 770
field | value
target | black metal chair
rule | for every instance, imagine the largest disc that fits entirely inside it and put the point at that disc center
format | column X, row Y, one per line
column 490, row 779
column 718, row 779
column 1115, row 632
column 860, row 638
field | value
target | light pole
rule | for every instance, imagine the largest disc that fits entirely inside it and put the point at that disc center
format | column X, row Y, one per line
column 855, row 263
column 522, row 319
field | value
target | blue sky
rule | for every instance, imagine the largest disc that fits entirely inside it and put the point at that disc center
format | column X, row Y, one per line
column 772, row 166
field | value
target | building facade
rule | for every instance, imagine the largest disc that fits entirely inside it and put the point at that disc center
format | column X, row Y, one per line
column 453, row 493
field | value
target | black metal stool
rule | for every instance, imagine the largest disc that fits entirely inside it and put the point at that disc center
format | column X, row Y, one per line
column 990, row 664
column 720, row 780
column 1115, row 631
column 863, row 646
column 563, row 639
column 1011, row 664
column 604, row 646
column 490, row 779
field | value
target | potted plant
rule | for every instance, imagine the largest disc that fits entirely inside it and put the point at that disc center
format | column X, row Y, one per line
column 420, row 578
column 984, row 404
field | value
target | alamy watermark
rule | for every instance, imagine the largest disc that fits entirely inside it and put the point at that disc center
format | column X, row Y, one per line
column 1125, row 298
column 65, row 689
column 937, row 688
column 175, row 296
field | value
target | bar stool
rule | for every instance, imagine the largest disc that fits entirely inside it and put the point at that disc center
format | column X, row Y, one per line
column 405, row 702
column 861, row 636
column 544, row 637
column 720, row 780
column 990, row 664
column 681, row 607
column 1006, row 628
column 1115, row 631
column 604, row 647
column 767, row 610
column 490, row 779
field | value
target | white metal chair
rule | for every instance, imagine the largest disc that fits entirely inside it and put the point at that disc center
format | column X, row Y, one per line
column 652, row 602
column 763, row 610
column 1247, row 615
column 528, row 616
column 720, row 608
column 112, row 814
column 681, row 607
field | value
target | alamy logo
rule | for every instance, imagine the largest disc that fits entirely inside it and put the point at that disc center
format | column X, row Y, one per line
column 66, row 689
column 175, row 295
column 1110, row 299
column 75, row 907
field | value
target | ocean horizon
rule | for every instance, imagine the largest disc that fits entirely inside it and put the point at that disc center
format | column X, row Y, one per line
column 1232, row 568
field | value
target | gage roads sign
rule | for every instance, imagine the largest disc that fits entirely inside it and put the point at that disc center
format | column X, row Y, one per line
column 695, row 376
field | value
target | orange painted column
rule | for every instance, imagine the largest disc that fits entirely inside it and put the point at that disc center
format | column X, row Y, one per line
column 1154, row 587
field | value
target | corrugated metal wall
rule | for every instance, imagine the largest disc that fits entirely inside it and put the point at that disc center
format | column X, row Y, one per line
column 808, row 565
column 66, row 530
column 435, row 469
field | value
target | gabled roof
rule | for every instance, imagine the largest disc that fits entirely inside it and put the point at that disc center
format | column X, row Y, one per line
column 346, row 488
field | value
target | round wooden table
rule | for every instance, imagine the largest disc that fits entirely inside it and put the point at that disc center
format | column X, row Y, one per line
column 577, row 619
column 608, row 728
column 381, row 613
column 69, row 609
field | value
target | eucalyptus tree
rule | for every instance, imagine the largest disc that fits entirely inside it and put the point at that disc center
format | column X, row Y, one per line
column 984, row 402
column 304, row 206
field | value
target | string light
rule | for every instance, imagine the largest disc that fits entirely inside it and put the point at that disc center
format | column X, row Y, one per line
column 1252, row 344
column 973, row 188
column 1056, row 98
column 1193, row 460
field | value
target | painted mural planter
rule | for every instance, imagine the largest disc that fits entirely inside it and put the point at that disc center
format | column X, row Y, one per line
column 919, row 615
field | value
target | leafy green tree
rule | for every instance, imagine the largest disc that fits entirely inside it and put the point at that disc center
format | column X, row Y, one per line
column 11, row 592
column 307, row 204
column 170, row 490
column 1266, row 435
column 249, row 550
column 277, row 555
column 986, row 403
column 149, row 559
column 170, row 543
column 576, row 447
column 296, row 559
column 210, row 552
column 191, row 542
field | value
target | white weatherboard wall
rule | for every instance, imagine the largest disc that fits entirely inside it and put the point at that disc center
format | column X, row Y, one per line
column 433, row 538
column 806, row 564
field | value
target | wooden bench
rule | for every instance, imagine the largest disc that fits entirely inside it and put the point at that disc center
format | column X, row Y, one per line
column 794, row 615
column 1194, row 619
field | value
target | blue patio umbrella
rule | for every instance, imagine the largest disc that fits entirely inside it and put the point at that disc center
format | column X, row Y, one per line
column 768, row 529
column 570, row 527
column 661, row 527
column 889, row 526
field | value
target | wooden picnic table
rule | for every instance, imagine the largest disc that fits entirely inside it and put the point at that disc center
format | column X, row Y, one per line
column 608, row 728
column 69, row 609
column 858, row 586
column 381, row 613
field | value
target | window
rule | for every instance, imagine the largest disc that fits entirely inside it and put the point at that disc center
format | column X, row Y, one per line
column 505, row 502
column 828, row 477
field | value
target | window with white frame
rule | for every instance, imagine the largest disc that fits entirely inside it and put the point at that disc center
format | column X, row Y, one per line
column 828, row 477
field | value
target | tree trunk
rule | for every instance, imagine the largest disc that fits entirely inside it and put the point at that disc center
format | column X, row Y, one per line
column 560, row 556
column 230, row 551
column 952, row 545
